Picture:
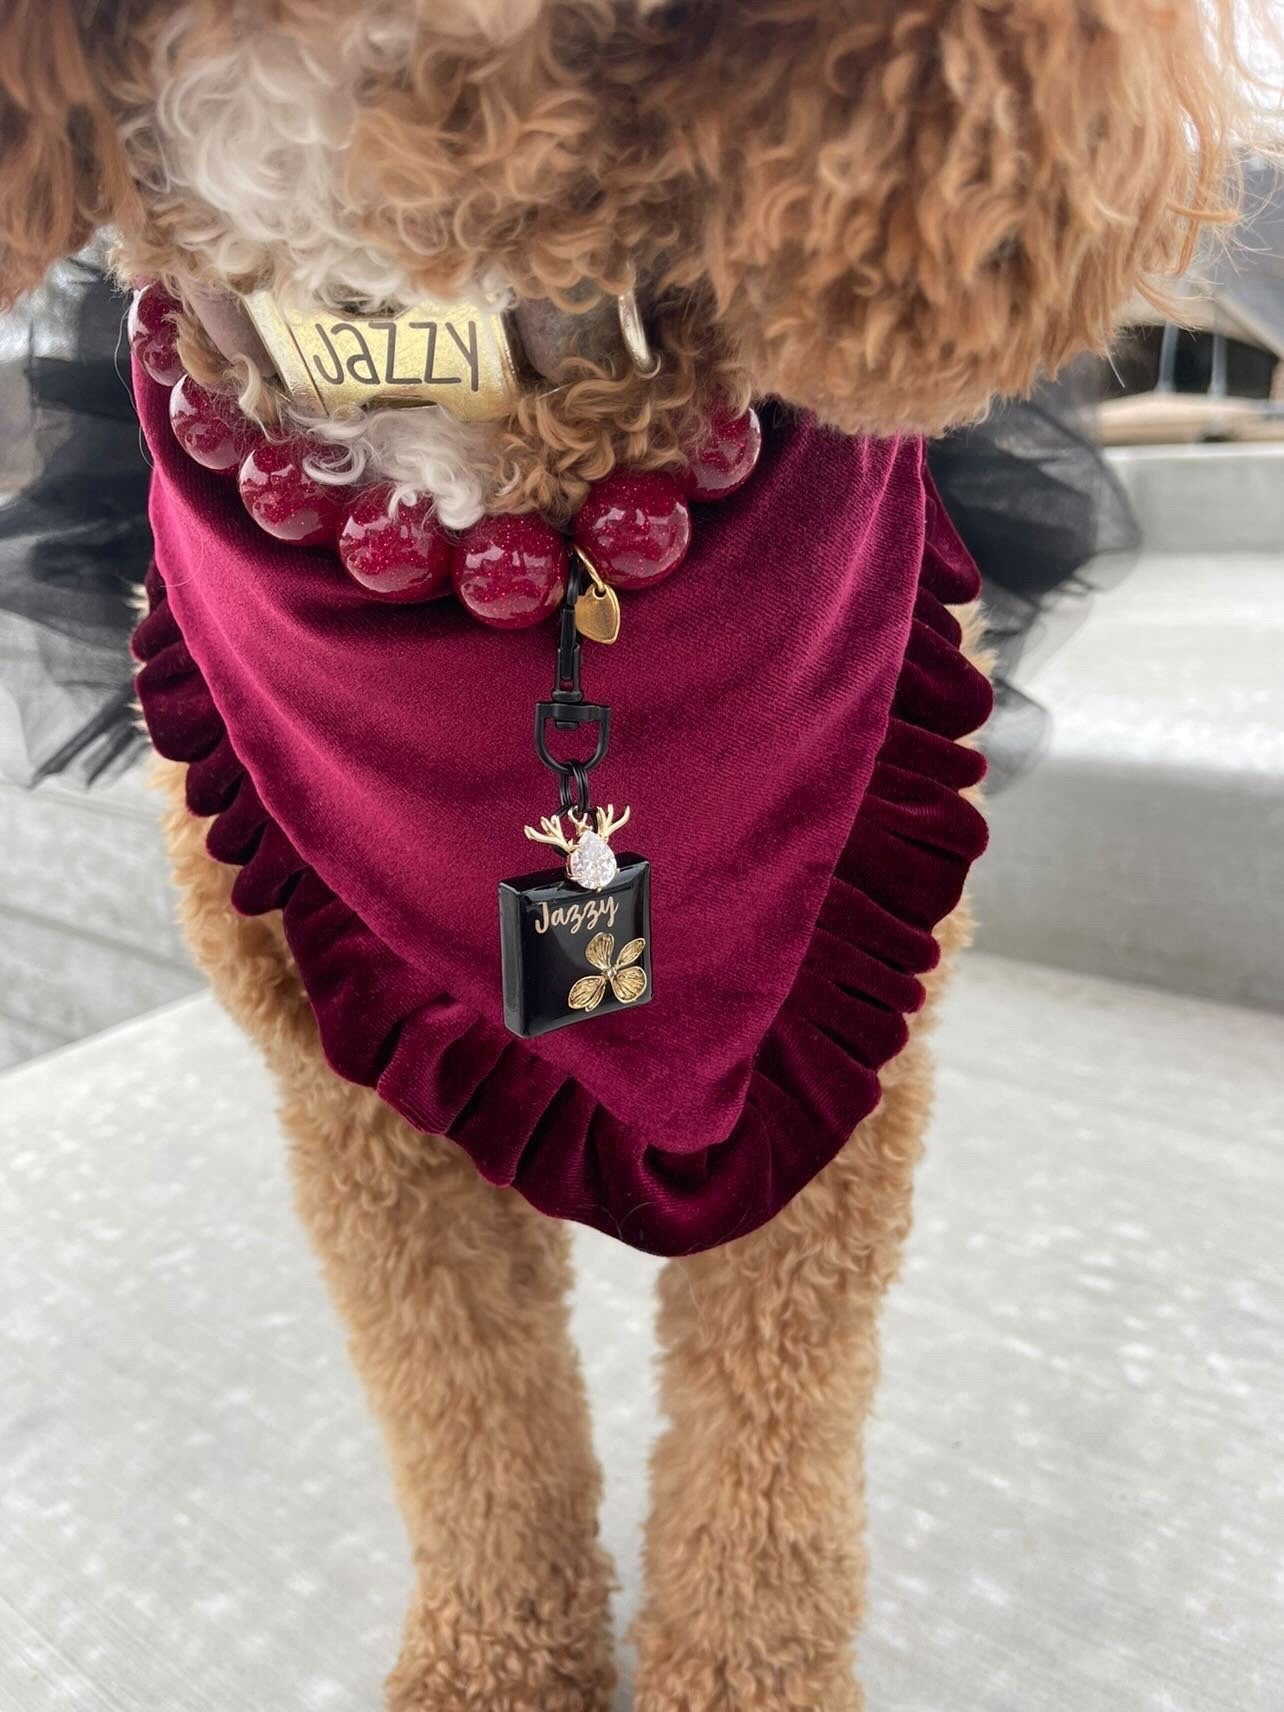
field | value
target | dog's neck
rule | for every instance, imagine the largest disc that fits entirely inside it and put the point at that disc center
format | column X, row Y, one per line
column 472, row 357
column 418, row 373
column 254, row 132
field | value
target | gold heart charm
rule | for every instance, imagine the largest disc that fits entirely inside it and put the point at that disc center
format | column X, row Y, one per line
column 597, row 611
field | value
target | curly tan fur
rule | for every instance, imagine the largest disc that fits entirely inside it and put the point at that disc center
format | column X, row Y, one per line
column 889, row 211
column 755, row 1560
column 885, row 212
column 63, row 167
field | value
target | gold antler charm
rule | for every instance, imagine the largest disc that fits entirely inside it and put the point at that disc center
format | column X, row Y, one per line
column 607, row 824
column 550, row 832
column 590, row 861
column 562, row 933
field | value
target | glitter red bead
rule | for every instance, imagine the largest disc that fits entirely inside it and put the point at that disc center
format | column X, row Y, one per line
column 284, row 500
column 722, row 462
column 510, row 572
column 635, row 527
column 397, row 553
column 210, row 426
column 153, row 337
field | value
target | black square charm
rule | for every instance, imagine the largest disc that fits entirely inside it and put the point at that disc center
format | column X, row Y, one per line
column 569, row 953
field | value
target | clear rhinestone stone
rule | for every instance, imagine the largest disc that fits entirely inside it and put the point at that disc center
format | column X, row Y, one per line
column 592, row 862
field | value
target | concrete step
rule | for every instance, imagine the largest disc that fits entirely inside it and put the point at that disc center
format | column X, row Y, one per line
column 60, row 984
column 88, row 930
column 1074, row 1488
column 1205, row 499
column 68, row 850
column 1148, row 844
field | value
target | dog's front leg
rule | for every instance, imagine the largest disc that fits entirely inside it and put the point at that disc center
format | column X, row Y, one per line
column 454, row 1296
column 755, row 1557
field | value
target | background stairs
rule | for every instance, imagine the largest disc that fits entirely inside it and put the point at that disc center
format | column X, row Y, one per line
column 1148, row 843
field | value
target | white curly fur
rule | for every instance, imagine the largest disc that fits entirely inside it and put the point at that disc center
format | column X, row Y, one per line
column 253, row 140
column 424, row 451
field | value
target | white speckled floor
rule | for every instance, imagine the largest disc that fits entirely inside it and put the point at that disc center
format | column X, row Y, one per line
column 1078, row 1502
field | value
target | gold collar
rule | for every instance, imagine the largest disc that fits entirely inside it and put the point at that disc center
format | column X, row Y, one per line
column 473, row 362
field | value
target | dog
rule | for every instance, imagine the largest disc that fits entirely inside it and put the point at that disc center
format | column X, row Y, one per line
column 883, row 214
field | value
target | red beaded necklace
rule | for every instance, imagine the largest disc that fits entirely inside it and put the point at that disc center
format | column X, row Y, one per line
column 508, row 571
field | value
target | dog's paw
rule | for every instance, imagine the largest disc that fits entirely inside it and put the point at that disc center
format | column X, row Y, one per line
column 682, row 1673
column 531, row 1656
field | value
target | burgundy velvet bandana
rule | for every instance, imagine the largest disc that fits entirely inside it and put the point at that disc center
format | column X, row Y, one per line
column 787, row 716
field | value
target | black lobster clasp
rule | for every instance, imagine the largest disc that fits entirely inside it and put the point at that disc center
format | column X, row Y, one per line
column 566, row 709
column 572, row 776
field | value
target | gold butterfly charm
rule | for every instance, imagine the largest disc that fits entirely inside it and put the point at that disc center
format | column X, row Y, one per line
column 627, row 982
